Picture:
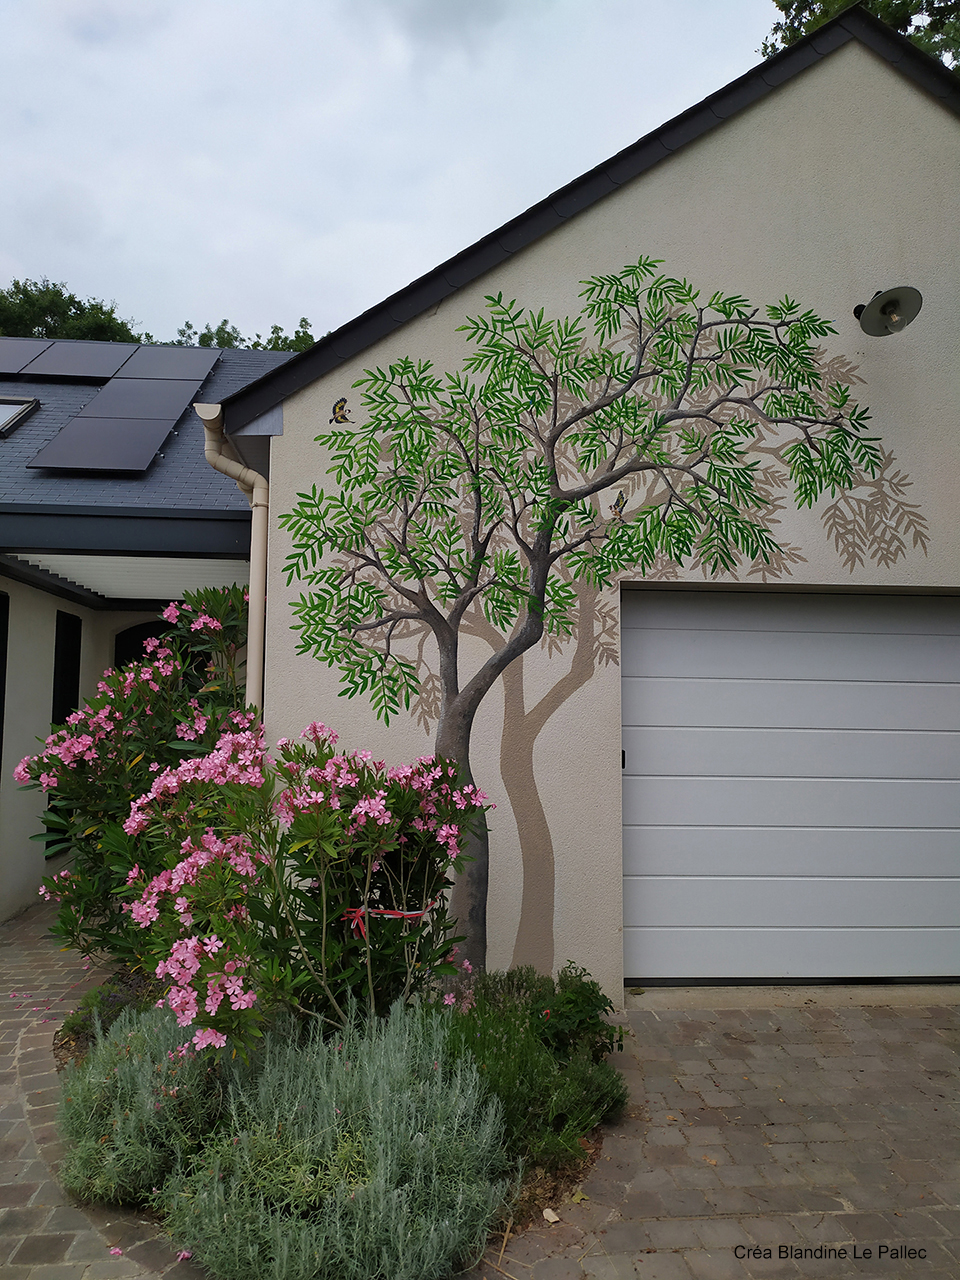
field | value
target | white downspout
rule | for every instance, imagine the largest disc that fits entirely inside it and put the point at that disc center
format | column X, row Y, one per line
column 217, row 450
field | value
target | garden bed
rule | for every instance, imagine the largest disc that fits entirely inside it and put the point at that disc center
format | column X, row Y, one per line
column 410, row 1121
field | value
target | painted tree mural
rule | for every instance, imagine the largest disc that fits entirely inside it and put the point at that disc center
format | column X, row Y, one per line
column 653, row 429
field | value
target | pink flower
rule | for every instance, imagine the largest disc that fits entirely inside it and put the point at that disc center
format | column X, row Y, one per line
column 205, row 623
column 144, row 913
column 171, row 612
column 209, row 1037
column 449, row 998
column 116, row 1253
column 183, row 1002
column 183, row 1255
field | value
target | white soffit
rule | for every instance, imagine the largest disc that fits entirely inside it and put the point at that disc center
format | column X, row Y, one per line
column 141, row 577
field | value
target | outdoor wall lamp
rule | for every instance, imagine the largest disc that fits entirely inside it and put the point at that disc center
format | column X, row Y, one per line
column 889, row 312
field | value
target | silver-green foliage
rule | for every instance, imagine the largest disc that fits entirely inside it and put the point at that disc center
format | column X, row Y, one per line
column 491, row 484
column 372, row 1154
column 135, row 1106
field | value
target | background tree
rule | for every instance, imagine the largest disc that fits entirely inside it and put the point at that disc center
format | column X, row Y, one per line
column 488, row 488
column 228, row 335
column 934, row 25
column 43, row 309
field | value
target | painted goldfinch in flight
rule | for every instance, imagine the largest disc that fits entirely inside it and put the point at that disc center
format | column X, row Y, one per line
column 340, row 411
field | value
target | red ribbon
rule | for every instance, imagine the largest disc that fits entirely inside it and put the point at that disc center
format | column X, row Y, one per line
column 355, row 916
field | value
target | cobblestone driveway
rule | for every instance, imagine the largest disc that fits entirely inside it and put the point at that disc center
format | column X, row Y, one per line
column 812, row 1120
column 767, row 1128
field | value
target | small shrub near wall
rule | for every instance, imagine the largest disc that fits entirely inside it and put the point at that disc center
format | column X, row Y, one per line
column 149, row 716
column 314, row 880
column 554, row 1084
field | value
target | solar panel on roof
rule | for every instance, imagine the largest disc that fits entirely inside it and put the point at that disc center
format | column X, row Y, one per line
column 17, row 352
column 105, row 444
column 170, row 362
column 141, row 398
column 81, row 359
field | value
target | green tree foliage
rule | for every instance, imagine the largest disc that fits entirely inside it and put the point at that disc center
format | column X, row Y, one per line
column 490, row 487
column 43, row 309
column 934, row 25
column 228, row 335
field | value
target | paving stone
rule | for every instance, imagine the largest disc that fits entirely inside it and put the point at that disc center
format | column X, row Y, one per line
column 713, row 1264
column 588, row 1215
column 643, row 1204
column 772, row 1231
column 89, row 1246
column 42, row 1248
column 661, row 1266
column 17, row 1194
column 722, row 1233
column 628, row 1235
column 118, row 1269
column 185, row 1271
column 605, row 1267
column 61, row 1271
column 673, row 1233
column 557, row 1269
column 22, row 1222
column 735, row 1175
column 7, row 1245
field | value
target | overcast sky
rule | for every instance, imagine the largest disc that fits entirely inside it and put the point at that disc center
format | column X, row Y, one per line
column 267, row 159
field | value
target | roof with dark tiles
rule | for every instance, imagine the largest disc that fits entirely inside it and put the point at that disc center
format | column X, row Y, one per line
column 577, row 196
column 178, row 479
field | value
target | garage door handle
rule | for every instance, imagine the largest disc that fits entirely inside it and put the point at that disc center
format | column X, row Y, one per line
column 623, row 759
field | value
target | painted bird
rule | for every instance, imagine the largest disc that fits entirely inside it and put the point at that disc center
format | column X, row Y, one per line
column 340, row 411
column 619, row 505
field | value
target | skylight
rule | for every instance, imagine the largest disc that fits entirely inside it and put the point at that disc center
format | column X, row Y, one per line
column 13, row 411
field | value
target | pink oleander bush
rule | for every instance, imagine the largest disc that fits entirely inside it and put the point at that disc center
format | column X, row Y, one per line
column 144, row 719
column 315, row 880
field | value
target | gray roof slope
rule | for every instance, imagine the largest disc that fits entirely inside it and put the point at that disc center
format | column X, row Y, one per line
column 179, row 479
column 387, row 316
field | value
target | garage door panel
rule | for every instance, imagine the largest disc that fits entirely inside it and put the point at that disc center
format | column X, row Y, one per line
column 790, row 851
column 797, row 753
column 765, row 656
column 775, row 611
column 793, row 802
column 737, row 902
column 801, row 704
column 791, row 954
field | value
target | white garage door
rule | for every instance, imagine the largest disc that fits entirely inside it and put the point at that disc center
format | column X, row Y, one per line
column 791, row 802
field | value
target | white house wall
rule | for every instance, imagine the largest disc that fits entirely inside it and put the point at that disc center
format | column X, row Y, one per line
column 840, row 183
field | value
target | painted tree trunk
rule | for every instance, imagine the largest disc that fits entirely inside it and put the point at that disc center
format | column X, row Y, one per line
column 468, row 898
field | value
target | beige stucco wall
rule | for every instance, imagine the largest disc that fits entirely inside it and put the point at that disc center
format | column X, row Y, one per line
column 841, row 183
column 29, row 692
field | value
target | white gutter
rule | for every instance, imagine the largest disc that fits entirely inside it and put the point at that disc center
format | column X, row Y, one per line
column 219, row 452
